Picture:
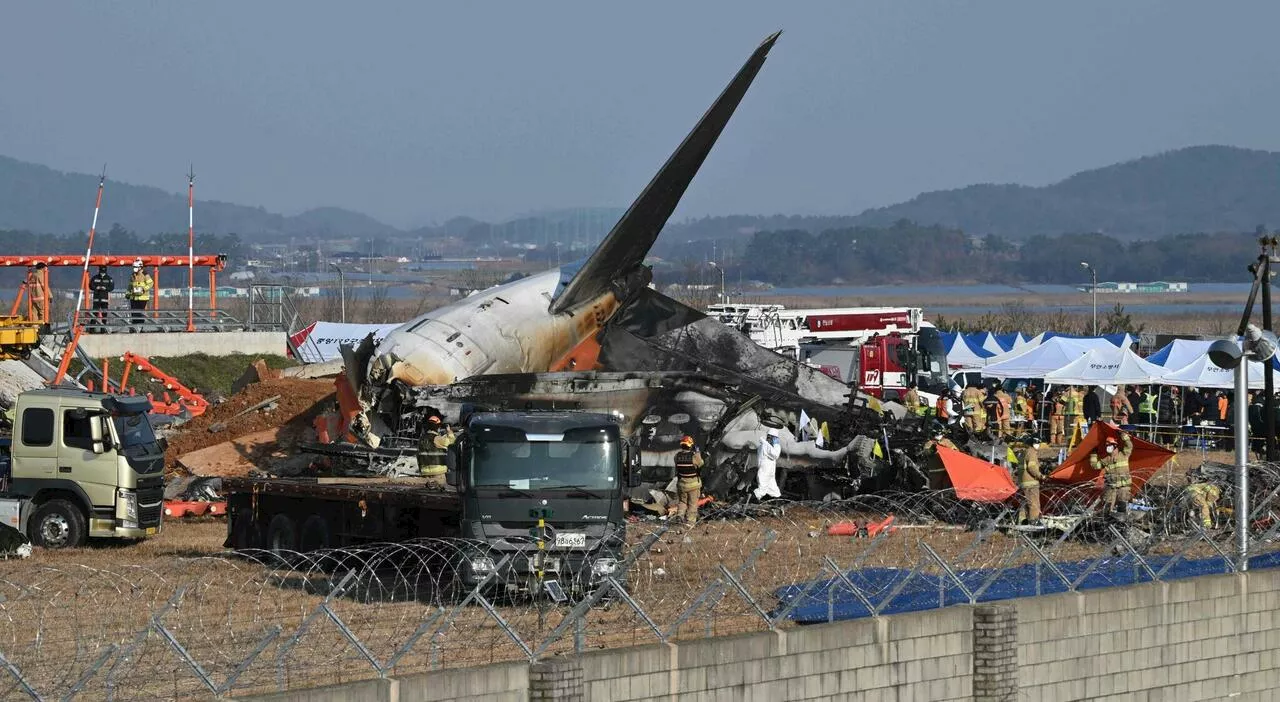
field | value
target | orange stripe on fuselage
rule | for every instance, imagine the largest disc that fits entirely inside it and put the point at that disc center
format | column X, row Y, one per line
column 590, row 319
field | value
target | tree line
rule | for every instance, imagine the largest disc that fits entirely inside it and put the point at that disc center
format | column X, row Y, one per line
column 909, row 253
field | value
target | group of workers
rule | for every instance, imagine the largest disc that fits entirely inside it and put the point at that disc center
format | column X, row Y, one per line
column 138, row 294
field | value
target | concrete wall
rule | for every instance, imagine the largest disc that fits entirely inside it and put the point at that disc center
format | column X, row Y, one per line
column 1213, row 637
column 922, row 656
column 1197, row 639
column 184, row 344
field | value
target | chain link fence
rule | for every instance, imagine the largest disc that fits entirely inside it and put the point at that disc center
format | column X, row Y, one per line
column 260, row 622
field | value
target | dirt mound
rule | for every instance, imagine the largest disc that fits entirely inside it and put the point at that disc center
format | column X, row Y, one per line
column 300, row 401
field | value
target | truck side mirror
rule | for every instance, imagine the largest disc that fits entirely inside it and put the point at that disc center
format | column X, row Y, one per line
column 96, row 433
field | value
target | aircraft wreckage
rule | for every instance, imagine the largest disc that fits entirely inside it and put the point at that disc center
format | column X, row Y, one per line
column 595, row 336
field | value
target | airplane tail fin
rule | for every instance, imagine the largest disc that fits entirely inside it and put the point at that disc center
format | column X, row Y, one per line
column 631, row 238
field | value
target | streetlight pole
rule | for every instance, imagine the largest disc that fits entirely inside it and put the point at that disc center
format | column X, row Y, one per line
column 723, row 299
column 342, row 290
column 1093, row 274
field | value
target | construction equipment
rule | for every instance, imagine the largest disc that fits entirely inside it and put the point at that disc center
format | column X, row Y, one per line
column 18, row 337
column 185, row 400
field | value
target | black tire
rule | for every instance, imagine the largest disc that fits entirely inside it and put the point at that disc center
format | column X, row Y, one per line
column 316, row 535
column 58, row 524
column 244, row 531
column 282, row 534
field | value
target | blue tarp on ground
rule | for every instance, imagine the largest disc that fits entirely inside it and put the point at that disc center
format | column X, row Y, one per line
column 830, row 600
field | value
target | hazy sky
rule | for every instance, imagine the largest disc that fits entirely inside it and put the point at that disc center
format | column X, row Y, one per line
column 414, row 112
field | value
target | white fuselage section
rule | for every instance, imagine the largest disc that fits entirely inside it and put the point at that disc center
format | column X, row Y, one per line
column 504, row 329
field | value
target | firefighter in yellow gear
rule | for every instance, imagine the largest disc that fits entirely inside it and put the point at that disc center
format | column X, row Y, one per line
column 939, row 439
column 138, row 292
column 1116, row 480
column 937, row 473
column 969, row 408
column 1204, row 499
column 1029, row 478
column 433, row 451
column 1006, row 412
column 688, row 481
column 1121, row 408
column 912, row 400
column 1057, row 420
column 1074, row 401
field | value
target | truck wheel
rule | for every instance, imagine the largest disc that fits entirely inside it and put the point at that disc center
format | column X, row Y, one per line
column 58, row 524
column 315, row 534
column 244, row 531
column 282, row 534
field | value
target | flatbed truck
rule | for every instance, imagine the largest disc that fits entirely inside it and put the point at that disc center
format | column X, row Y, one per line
column 541, row 491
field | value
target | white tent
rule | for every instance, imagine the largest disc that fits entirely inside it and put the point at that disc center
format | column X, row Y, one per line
column 1106, row 367
column 1179, row 352
column 988, row 341
column 964, row 355
column 1201, row 373
column 1024, row 343
column 1049, row 356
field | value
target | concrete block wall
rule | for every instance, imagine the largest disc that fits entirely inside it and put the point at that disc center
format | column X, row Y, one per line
column 922, row 656
column 1208, row 638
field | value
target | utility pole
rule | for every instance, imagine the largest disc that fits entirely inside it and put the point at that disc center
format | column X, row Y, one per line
column 342, row 291
column 723, row 299
column 1268, row 244
column 1093, row 273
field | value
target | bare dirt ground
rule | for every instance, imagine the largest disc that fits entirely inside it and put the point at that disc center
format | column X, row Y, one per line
column 300, row 402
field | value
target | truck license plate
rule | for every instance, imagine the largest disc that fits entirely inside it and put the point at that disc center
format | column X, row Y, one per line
column 151, row 531
column 571, row 540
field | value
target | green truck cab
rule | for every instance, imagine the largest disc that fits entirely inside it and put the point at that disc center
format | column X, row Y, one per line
column 81, row 465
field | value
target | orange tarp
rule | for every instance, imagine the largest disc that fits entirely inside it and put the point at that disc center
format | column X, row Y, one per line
column 975, row 479
column 1147, row 458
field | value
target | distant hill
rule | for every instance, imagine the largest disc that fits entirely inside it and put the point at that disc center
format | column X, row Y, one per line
column 1196, row 189
column 39, row 199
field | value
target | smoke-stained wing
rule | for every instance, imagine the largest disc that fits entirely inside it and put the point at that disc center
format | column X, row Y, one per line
column 631, row 238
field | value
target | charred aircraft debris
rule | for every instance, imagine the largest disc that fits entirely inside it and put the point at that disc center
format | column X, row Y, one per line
column 595, row 336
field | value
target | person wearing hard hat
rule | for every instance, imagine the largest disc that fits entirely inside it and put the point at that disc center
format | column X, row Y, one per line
column 139, row 292
column 1116, row 480
column 939, row 438
column 688, row 481
column 433, row 451
column 1029, row 477
column 912, row 400
column 767, row 465
column 1203, row 497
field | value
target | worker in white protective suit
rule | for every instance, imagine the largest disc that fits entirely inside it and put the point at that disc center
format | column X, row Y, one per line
column 767, row 466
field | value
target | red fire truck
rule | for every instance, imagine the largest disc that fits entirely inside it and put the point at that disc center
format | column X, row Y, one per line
column 881, row 349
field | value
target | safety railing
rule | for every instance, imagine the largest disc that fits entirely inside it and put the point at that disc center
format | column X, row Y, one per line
column 146, row 321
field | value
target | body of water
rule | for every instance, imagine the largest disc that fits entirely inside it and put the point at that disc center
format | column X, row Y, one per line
column 975, row 290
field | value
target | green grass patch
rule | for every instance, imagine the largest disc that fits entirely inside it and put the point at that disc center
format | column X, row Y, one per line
column 206, row 374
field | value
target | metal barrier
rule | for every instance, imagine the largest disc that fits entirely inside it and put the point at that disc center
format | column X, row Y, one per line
column 124, row 321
